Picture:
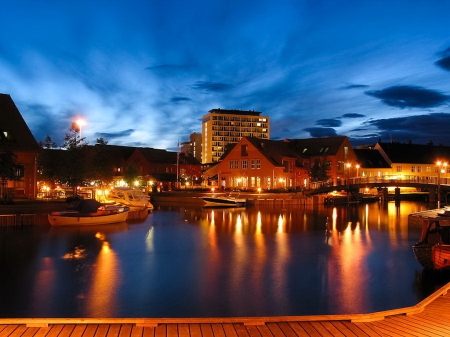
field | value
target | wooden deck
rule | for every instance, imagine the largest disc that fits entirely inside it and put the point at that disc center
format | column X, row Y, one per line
column 431, row 317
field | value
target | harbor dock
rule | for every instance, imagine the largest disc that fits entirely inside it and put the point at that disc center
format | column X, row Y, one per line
column 430, row 317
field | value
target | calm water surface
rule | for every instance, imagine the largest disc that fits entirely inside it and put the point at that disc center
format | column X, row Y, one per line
column 194, row 262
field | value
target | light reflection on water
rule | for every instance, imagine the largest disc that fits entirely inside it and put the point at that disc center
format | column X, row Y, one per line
column 193, row 262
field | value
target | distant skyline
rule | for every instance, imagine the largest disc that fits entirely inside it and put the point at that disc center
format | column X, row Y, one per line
column 143, row 73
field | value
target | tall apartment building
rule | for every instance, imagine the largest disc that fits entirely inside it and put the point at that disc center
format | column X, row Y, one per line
column 193, row 146
column 221, row 127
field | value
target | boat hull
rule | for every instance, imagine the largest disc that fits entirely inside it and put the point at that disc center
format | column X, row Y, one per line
column 66, row 219
column 224, row 202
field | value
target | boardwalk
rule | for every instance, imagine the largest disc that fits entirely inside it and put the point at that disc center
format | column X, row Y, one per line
column 431, row 317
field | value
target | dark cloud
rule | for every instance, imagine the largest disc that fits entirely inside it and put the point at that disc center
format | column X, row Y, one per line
column 211, row 86
column 329, row 122
column 179, row 99
column 404, row 96
column 353, row 115
column 354, row 86
column 419, row 129
column 321, row 132
column 113, row 135
column 444, row 62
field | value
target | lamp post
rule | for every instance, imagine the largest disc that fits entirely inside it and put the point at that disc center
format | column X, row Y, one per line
column 440, row 164
column 80, row 123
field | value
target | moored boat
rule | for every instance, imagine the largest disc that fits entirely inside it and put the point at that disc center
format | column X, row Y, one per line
column 133, row 198
column 224, row 201
column 88, row 212
column 433, row 248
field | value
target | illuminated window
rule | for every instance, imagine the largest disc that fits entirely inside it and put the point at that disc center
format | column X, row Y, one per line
column 244, row 164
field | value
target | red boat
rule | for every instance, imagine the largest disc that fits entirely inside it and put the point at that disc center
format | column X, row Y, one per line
column 433, row 248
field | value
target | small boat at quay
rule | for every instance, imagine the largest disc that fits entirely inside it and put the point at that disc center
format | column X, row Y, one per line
column 83, row 212
column 135, row 199
column 224, row 201
column 433, row 248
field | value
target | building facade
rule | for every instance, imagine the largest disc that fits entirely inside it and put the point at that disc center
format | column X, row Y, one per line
column 15, row 136
column 221, row 127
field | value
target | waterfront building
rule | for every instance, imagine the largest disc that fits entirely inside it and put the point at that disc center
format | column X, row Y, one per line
column 162, row 170
column 193, row 146
column 221, row 127
column 15, row 136
column 255, row 163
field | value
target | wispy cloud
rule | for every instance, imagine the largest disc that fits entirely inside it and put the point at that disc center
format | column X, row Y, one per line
column 321, row 132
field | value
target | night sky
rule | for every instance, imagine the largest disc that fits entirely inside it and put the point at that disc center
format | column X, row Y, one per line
column 144, row 72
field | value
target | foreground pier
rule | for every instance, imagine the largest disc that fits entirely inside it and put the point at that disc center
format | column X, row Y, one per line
column 431, row 317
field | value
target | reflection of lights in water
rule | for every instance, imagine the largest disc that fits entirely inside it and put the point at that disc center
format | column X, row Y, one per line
column 149, row 240
column 100, row 236
column 212, row 219
column 78, row 253
column 334, row 217
column 281, row 221
column 258, row 223
column 101, row 300
column 238, row 224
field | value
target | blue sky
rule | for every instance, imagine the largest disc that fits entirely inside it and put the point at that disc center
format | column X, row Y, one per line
column 143, row 73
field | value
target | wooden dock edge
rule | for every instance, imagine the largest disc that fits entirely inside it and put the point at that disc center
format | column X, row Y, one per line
column 154, row 322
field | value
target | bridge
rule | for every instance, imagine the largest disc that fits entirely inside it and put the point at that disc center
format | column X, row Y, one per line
column 434, row 185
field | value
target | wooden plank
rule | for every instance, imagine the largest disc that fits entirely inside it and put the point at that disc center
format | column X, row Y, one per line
column 90, row 330
column 148, row 331
column 67, row 330
column 78, row 331
column 229, row 330
column 30, row 332
column 160, row 330
column 368, row 329
column 55, row 330
column 354, row 328
column 42, row 331
column 8, row 330
column 332, row 329
column 416, row 324
column 241, row 331
column 252, row 330
column 309, row 328
column 102, row 330
column 386, row 330
column 125, row 330
column 114, row 330
column 298, row 329
column 183, row 330
column 172, row 329
column 287, row 330
column 137, row 331
column 206, row 330
column 320, row 328
column 264, row 331
column 194, row 330
column 275, row 330
column 218, row 330
column 18, row 331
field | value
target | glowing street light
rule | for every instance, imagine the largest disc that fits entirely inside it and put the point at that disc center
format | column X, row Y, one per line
column 80, row 123
column 440, row 164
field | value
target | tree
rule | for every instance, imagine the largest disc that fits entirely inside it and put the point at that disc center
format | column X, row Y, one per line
column 319, row 170
column 8, row 169
column 48, row 143
column 130, row 175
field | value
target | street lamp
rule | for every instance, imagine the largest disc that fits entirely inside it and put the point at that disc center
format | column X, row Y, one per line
column 80, row 123
column 439, row 164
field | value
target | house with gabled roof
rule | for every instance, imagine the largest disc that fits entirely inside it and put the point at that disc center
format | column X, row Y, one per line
column 15, row 136
column 372, row 163
column 417, row 160
column 255, row 163
column 271, row 164
column 165, row 168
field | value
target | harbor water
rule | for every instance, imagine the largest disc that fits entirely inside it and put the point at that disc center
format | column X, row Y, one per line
column 188, row 261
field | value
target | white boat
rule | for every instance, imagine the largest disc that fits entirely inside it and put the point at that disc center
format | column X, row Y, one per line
column 88, row 212
column 224, row 201
column 135, row 199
